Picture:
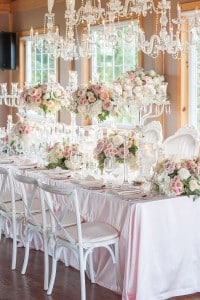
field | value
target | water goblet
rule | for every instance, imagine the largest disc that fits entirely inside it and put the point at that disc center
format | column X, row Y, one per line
column 75, row 160
column 108, row 162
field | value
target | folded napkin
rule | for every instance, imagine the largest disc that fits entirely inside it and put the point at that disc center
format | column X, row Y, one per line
column 92, row 184
column 27, row 166
column 6, row 161
column 60, row 176
column 56, row 171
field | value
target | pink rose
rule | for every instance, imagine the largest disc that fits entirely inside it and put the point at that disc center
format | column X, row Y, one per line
column 100, row 146
column 190, row 165
column 121, row 152
column 104, row 96
column 37, row 99
column 176, row 186
column 67, row 151
column 81, row 93
column 5, row 139
column 44, row 87
column 169, row 166
column 131, row 76
column 26, row 129
column 32, row 91
column 109, row 152
column 107, row 105
column 83, row 101
column 97, row 89
column 91, row 98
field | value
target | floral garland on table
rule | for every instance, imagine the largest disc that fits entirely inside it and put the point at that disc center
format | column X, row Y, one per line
column 94, row 100
column 177, row 177
column 142, row 87
column 59, row 155
column 48, row 98
column 20, row 136
column 113, row 146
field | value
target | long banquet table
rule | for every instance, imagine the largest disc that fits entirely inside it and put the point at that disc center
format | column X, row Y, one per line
column 159, row 242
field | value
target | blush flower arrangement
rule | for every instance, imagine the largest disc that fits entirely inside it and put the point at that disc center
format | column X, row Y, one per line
column 59, row 155
column 46, row 97
column 20, row 136
column 142, row 87
column 177, row 177
column 93, row 100
column 116, row 146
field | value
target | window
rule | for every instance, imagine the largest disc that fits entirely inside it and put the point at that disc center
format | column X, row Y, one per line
column 194, row 85
column 190, row 76
column 40, row 65
column 35, row 66
column 111, row 59
column 109, row 62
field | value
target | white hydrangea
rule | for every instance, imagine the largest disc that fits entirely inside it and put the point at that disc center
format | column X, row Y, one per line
column 184, row 174
column 117, row 140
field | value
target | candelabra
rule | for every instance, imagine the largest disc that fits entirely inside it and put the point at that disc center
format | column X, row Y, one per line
column 9, row 99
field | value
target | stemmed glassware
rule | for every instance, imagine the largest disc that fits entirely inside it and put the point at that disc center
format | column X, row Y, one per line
column 76, row 160
column 108, row 167
column 2, row 136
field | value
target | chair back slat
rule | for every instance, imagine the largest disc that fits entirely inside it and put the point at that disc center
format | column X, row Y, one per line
column 59, row 217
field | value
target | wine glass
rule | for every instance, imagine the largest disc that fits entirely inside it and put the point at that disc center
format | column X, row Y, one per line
column 108, row 163
column 116, row 170
column 2, row 136
column 75, row 159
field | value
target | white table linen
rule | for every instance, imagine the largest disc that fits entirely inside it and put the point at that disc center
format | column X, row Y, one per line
column 159, row 243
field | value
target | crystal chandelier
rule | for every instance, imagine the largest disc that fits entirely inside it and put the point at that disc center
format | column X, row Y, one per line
column 165, row 39
column 167, row 36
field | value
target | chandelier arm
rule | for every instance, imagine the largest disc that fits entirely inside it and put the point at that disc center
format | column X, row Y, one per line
column 50, row 4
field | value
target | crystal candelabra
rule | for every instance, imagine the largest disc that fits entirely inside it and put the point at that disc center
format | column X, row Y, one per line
column 125, row 181
column 10, row 99
column 70, row 88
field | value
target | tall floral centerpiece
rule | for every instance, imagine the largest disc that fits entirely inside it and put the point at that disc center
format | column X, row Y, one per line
column 113, row 146
column 48, row 98
column 93, row 101
column 181, row 177
column 142, row 87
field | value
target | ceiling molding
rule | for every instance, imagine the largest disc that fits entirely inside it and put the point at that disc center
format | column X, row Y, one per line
column 23, row 5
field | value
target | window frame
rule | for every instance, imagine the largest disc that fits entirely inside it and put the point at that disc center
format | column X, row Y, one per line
column 22, row 57
column 119, row 24
column 86, row 64
column 184, row 106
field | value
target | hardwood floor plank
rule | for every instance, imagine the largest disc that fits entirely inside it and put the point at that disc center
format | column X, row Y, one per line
column 14, row 286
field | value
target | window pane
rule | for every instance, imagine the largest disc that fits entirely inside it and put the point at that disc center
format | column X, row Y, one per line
column 39, row 65
column 110, row 64
column 109, row 74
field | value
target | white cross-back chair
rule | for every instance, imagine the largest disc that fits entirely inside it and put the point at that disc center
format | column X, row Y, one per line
column 81, row 239
column 33, row 227
column 183, row 144
column 34, row 223
column 11, row 211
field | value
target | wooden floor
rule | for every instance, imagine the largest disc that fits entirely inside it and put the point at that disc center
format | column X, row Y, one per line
column 14, row 286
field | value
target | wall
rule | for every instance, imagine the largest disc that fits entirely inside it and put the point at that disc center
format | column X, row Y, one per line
column 164, row 65
column 4, row 75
